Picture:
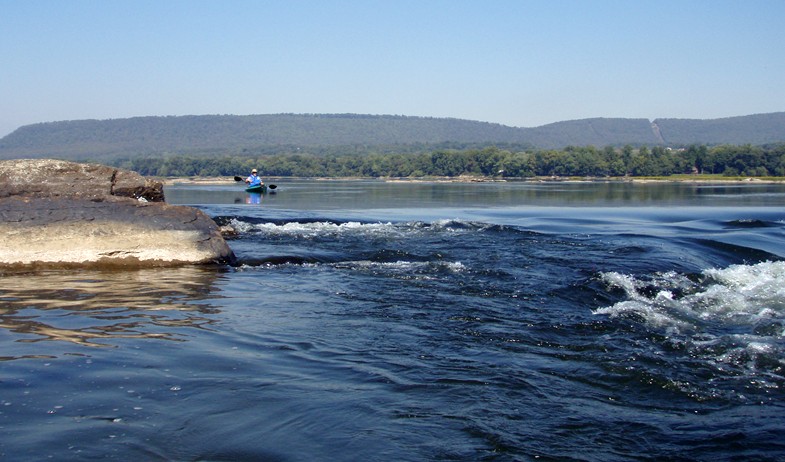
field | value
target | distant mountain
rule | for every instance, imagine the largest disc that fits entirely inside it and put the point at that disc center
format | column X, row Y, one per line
column 751, row 129
column 275, row 133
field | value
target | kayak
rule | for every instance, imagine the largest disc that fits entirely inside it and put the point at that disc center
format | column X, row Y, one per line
column 262, row 188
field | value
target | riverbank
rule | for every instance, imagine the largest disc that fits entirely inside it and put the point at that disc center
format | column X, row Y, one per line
column 698, row 179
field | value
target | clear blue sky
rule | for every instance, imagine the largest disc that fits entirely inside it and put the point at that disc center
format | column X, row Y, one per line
column 516, row 62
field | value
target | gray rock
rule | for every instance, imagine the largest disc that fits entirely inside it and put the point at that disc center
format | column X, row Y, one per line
column 61, row 214
column 57, row 178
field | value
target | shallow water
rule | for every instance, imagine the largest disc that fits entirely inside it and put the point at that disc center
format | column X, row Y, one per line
column 386, row 321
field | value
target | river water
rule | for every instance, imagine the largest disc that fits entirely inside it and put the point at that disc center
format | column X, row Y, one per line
column 419, row 321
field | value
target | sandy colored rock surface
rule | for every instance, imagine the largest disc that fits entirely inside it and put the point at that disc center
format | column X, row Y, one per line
column 94, row 215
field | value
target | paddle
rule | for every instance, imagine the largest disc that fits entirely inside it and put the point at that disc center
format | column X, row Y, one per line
column 239, row 178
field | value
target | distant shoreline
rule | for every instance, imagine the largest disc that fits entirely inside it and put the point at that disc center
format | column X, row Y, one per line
column 480, row 179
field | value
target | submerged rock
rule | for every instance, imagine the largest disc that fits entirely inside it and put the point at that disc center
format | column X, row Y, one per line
column 55, row 213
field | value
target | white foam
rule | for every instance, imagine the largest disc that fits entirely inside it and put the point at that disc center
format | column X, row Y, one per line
column 739, row 294
column 402, row 266
column 455, row 267
column 379, row 229
column 762, row 283
column 733, row 317
column 240, row 226
column 314, row 229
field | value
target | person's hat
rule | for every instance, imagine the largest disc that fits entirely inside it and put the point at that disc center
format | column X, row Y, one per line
column 253, row 171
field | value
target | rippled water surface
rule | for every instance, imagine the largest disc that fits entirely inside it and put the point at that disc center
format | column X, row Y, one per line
column 428, row 321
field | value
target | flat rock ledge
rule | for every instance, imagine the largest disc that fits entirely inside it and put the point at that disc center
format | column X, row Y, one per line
column 56, row 214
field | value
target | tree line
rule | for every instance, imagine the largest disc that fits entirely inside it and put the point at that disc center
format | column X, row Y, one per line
column 586, row 161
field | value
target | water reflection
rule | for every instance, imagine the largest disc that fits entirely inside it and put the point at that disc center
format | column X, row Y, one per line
column 251, row 198
column 372, row 194
column 90, row 307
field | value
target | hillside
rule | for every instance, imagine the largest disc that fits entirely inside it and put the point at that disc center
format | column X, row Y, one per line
column 751, row 129
column 254, row 134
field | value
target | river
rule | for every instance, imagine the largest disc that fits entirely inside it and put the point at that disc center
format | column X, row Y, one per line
column 419, row 321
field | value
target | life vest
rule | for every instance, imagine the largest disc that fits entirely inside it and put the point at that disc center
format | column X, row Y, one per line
column 255, row 180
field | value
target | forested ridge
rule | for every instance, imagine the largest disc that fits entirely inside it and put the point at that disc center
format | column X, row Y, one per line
column 587, row 161
column 342, row 134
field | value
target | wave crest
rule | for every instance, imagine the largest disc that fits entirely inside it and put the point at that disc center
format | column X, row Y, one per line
column 731, row 320
column 737, row 295
column 326, row 228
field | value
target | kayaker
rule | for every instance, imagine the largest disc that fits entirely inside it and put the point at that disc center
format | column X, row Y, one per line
column 254, row 180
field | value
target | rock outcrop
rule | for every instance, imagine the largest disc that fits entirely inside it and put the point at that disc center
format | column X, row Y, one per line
column 60, row 214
